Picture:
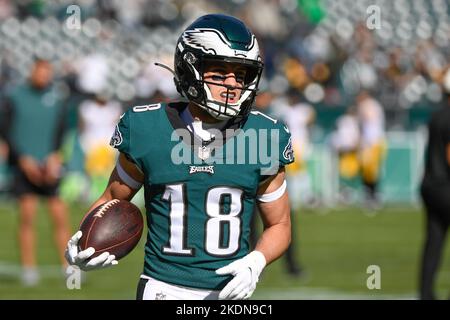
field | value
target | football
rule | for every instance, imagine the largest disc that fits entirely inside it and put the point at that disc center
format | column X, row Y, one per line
column 114, row 226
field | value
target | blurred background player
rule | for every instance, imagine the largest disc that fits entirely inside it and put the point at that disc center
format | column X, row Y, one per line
column 435, row 191
column 345, row 142
column 33, row 128
column 299, row 117
column 97, row 119
column 372, row 145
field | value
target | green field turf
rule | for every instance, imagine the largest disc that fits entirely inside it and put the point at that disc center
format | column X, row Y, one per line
column 335, row 247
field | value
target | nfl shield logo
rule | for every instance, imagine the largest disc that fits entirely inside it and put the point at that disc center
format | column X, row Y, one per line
column 204, row 152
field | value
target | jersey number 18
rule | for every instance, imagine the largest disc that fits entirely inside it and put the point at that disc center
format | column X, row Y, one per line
column 214, row 233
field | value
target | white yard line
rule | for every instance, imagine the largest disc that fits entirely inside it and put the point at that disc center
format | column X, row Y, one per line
column 325, row 294
column 8, row 269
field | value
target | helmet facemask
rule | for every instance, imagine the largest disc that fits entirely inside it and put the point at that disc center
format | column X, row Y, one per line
column 247, row 90
column 195, row 87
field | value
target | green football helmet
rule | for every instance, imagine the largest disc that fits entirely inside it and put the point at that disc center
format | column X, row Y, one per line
column 217, row 38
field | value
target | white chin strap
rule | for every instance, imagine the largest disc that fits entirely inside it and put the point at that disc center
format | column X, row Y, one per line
column 217, row 109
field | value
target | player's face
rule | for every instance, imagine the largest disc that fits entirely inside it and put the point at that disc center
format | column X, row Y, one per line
column 225, row 80
column 42, row 74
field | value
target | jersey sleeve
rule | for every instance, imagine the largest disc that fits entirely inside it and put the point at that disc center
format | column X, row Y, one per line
column 281, row 152
column 286, row 152
column 122, row 137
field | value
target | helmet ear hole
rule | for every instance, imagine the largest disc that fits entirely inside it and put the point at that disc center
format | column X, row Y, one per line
column 192, row 91
column 189, row 57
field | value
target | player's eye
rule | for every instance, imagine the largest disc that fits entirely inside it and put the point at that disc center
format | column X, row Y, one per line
column 218, row 78
column 240, row 78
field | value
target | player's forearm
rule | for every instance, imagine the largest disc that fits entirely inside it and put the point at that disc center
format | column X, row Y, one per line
column 274, row 241
column 6, row 120
column 276, row 237
column 116, row 189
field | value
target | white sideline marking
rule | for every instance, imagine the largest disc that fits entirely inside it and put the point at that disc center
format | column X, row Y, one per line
column 9, row 269
column 325, row 294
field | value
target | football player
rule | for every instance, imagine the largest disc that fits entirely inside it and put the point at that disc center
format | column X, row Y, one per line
column 32, row 125
column 199, row 205
column 373, row 145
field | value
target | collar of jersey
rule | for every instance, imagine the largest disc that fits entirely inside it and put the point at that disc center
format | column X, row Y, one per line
column 196, row 126
column 174, row 111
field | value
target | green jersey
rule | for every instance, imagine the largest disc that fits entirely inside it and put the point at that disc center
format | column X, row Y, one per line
column 36, row 116
column 199, row 197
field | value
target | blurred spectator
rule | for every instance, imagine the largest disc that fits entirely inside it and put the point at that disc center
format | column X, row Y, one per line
column 33, row 128
column 435, row 191
column 92, row 72
column 6, row 9
column 258, row 13
column 373, row 145
column 130, row 13
column 296, row 73
column 155, row 83
column 429, row 60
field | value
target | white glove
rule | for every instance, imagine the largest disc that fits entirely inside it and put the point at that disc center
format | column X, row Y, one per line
column 81, row 259
column 246, row 273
